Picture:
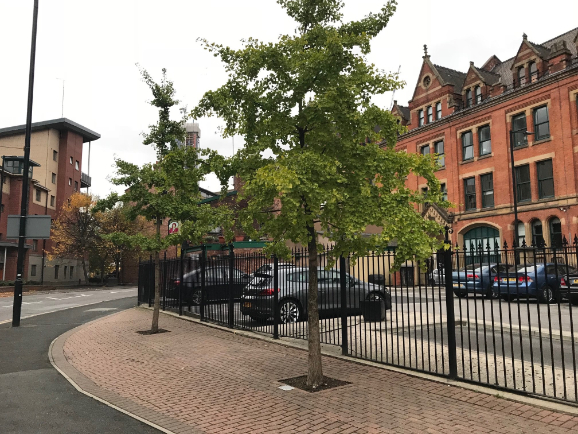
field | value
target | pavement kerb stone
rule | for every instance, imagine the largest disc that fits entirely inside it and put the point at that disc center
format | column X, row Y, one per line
column 89, row 388
column 335, row 352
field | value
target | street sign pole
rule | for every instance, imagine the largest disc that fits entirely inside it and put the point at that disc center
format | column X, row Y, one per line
column 17, row 305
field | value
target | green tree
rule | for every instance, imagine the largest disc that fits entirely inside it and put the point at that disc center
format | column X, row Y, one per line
column 313, row 159
column 166, row 189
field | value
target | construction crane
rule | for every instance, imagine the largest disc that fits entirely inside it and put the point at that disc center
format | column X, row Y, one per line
column 393, row 94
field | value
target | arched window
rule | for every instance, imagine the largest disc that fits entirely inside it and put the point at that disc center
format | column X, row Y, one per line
column 521, row 76
column 537, row 233
column 521, row 233
column 483, row 236
column 533, row 72
column 478, row 92
column 555, row 233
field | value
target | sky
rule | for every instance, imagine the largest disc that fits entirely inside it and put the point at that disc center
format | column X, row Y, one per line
column 94, row 46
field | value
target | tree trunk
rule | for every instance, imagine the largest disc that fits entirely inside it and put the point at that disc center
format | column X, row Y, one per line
column 102, row 273
column 157, row 304
column 84, row 271
column 117, row 266
column 314, row 368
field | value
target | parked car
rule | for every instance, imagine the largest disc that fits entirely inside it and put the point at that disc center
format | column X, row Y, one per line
column 541, row 281
column 216, row 285
column 569, row 285
column 258, row 296
column 478, row 279
column 268, row 268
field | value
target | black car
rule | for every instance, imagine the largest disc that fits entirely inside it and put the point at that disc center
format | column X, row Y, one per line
column 569, row 286
column 217, row 285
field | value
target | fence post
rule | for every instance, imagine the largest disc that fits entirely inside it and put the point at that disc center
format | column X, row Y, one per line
column 343, row 294
column 151, row 282
column 203, row 268
column 230, row 310
column 276, row 289
column 162, row 278
column 182, row 279
column 451, row 319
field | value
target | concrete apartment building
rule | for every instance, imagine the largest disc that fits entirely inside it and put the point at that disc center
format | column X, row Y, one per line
column 56, row 147
column 469, row 119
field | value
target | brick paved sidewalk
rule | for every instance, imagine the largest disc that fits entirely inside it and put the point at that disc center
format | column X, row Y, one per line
column 199, row 379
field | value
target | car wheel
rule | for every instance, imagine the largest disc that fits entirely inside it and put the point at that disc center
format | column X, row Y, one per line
column 196, row 297
column 492, row 293
column 289, row 311
column 507, row 298
column 546, row 295
column 461, row 294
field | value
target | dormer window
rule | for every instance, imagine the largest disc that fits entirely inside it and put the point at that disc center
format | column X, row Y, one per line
column 521, row 76
column 533, row 72
column 478, row 92
column 469, row 100
column 438, row 110
column 429, row 114
column 420, row 118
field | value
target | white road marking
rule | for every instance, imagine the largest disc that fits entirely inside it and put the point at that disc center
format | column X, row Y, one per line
column 8, row 305
column 31, row 302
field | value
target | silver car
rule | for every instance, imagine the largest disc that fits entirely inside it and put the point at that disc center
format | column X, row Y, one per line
column 257, row 300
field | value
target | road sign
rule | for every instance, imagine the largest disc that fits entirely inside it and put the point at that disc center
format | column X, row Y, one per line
column 37, row 227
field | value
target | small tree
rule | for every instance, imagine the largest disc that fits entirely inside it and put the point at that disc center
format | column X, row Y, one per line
column 74, row 231
column 167, row 189
column 313, row 159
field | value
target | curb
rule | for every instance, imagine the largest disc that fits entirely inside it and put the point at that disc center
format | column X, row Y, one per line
column 85, row 386
column 545, row 404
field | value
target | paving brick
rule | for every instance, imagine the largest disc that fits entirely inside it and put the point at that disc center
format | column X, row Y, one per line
column 202, row 380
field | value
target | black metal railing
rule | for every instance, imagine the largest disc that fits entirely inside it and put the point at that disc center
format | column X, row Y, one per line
column 489, row 314
column 85, row 180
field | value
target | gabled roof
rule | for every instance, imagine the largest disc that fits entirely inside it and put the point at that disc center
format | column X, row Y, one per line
column 487, row 77
column 401, row 110
column 491, row 63
column 451, row 76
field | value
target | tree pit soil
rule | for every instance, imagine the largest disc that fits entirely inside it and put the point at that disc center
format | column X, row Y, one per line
column 301, row 383
column 149, row 333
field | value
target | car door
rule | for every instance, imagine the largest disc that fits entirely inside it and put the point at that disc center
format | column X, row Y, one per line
column 240, row 280
column 323, row 288
column 215, row 284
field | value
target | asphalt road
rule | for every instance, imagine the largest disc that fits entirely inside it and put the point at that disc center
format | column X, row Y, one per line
column 34, row 397
column 58, row 300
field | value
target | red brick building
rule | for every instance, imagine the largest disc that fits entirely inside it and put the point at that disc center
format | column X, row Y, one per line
column 57, row 147
column 469, row 119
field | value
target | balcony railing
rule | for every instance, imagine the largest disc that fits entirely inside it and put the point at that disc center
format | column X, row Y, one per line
column 85, row 180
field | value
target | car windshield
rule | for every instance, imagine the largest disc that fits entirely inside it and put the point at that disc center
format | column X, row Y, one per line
column 471, row 267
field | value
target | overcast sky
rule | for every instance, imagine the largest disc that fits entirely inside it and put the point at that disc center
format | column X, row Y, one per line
column 94, row 46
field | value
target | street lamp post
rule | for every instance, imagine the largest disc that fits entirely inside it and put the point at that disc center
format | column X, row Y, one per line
column 515, row 187
column 17, row 306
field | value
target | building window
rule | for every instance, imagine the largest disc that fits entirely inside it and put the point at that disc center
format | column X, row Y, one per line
column 444, row 190
column 429, row 114
column 38, row 195
column 75, row 185
column 55, row 155
column 485, row 140
column 487, row 182
column 555, row 233
column 478, row 92
column 1, row 208
column 467, row 146
column 469, row 101
column 33, row 270
column 545, row 179
column 52, row 200
column 470, row 193
column 439, row 150
column 521, row 76
column 69, row 181
column 533, row 72
column 70, row 160
column 71, row 271
column 519, row 130
column 77, row 165
column 65, row 270
column 56, row 269
column 537, row 234
column 521, row 233
column 424, row 150
column 54, row 178
column 523, row 186
column 541, row 123
column 424, row 192
column 438, row 110
column 34, row 245
column 420, row 118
